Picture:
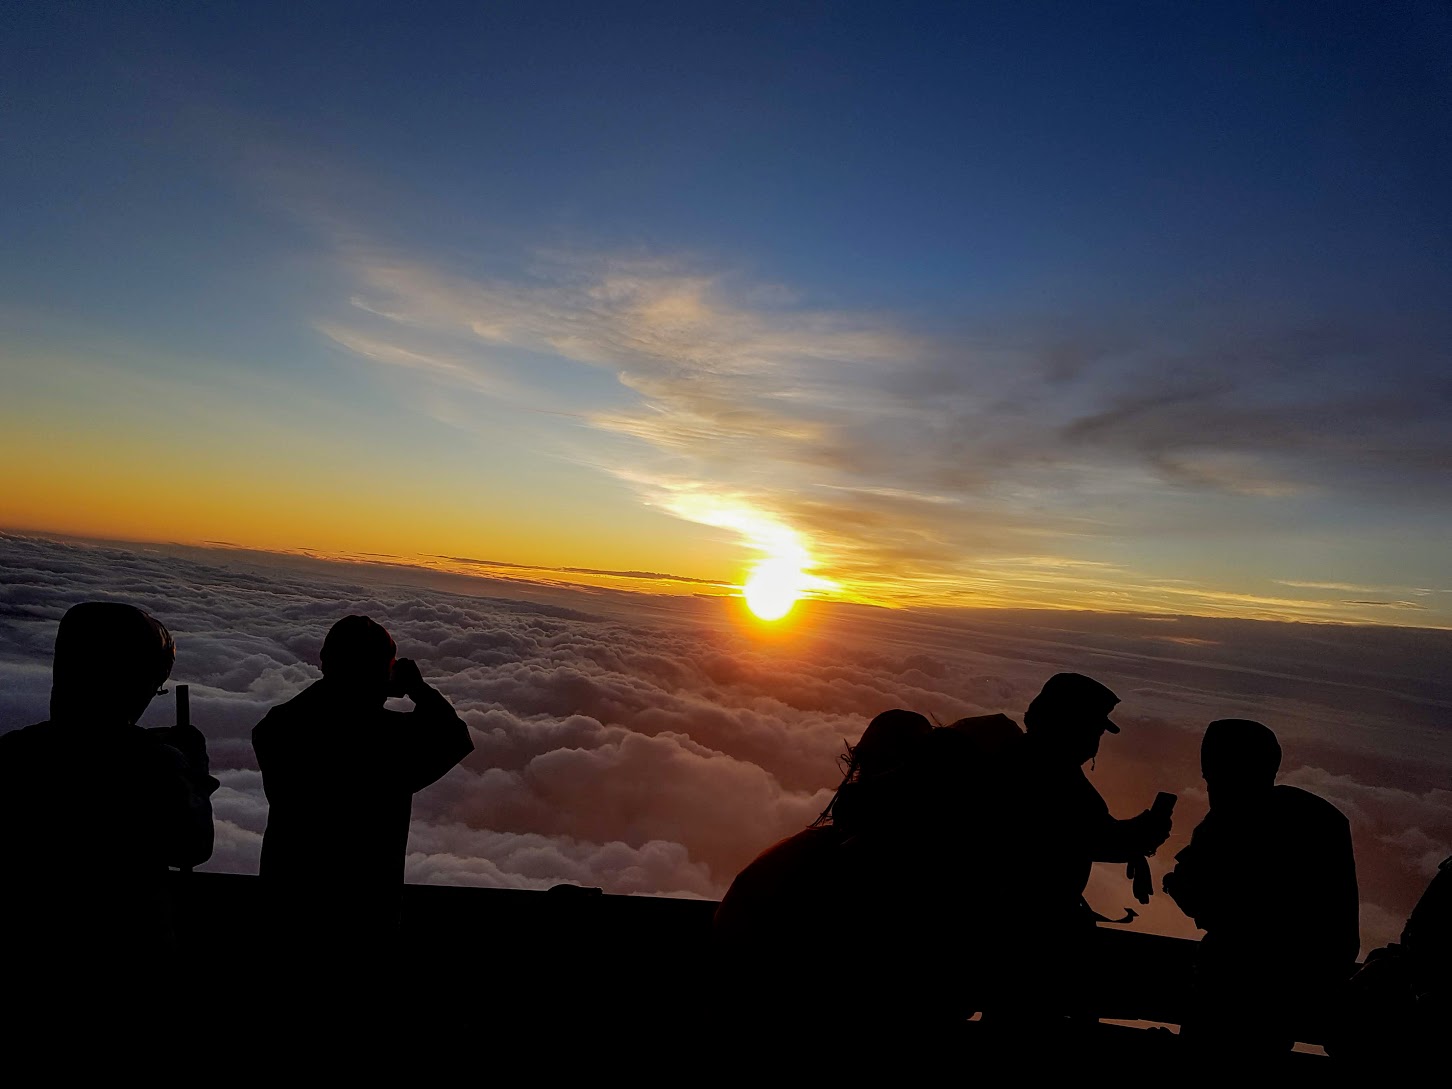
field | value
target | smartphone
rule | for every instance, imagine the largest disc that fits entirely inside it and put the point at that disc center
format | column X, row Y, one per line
column 1164, row 804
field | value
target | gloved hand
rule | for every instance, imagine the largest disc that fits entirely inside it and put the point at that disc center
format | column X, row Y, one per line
column 1138, row 871
column 1149, row 830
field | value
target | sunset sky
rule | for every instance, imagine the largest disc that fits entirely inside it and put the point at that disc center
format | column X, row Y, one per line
column 1112, row 338
column 1130, row 306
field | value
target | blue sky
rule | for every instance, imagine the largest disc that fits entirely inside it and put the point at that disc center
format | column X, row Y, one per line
column 1124, row 306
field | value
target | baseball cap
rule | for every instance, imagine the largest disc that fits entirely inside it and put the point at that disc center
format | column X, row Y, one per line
column 1077, row 695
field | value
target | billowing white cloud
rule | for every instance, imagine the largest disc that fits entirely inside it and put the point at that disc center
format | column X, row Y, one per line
column 652, row 745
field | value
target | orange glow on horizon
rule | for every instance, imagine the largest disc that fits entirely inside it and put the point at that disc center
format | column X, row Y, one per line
column 120, row 484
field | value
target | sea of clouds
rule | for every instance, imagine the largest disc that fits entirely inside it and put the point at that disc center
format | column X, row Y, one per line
column 653, row 744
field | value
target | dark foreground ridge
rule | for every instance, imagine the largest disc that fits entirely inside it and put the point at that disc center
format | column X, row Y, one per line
column 571, row 964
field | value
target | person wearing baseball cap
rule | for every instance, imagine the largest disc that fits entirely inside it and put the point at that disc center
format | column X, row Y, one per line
column 1074, row 710
column 1060, row 826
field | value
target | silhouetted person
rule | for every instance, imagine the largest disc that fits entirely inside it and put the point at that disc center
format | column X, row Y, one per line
column 1393, row 1015
column 1427, row 946
column 815, row 905
column 340, row 771
column 93, row 811
column 1270, row 877
column 776, row 895
column 1055, row 825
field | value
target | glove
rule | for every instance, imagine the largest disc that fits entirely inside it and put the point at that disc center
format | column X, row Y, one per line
column 1138, row 871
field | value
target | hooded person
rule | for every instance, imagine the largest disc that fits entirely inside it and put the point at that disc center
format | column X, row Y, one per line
column 94, row 810
column 1270, row 877
column 340, row 771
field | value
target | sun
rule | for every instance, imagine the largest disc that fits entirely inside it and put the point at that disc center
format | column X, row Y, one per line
column 772, row 588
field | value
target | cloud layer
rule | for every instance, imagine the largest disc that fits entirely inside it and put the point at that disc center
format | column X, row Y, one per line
column 654, row 745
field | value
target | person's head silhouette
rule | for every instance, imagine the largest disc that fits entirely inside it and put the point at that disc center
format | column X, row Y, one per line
column 888, row 742
column 1239, row 759
column 1071, row 714
column 358, row 656
column 110, row 660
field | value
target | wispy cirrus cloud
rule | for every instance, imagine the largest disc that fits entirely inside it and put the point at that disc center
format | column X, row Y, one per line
column 906, row 467
column 463, row 372
column 624, row 577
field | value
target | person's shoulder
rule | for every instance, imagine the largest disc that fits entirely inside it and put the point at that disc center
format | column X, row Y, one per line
column 41, row 736
column 267, row 723
column 786, row 863
column 796, row 849
column 299, row 706
column 16, row 742
column 25, row 733
column 822, row 837
column 1286, row 795
column 1304, row 804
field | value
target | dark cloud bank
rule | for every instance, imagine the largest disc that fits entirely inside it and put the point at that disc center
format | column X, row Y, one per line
column 653, row 744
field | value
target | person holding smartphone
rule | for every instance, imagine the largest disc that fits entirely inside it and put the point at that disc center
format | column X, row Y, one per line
column 1055, row 825
column 93, row 811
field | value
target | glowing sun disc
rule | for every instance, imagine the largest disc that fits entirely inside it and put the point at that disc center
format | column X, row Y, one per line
column 772, row 588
